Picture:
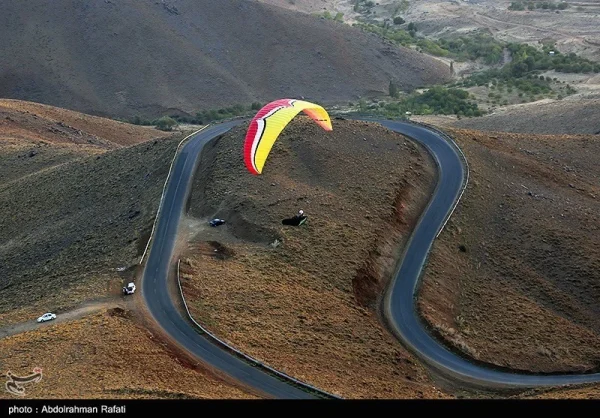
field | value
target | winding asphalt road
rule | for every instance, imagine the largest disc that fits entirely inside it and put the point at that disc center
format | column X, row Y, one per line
column 400, row 307
column 155, row 288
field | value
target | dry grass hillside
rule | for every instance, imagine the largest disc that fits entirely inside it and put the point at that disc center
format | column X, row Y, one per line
column 309, row 305
column 72, row 210
column 131, row 57
column 78, row 197
column 22, row 120
column 35, row 137
column 108, row 355
column 514, row 280
column 580, row 116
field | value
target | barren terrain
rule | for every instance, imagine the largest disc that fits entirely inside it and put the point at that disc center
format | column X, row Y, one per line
column 78, row 198
column 577, row 115
column 308, row 306
column 514, row 281
column 76, row 203
column 107, row 355
column 182, row 56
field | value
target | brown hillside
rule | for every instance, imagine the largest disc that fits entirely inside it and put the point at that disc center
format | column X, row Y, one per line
column 35, row 137
column 309, row 306
column 105, row 356
column 580, row 116
column 21, row 120
column 523, row 291
column 132, row 57
column 65, row 229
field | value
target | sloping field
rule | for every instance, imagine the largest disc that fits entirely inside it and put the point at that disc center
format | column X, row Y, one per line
column 35, row 137
column 37, row 122
column 564, row 117
column 71, row 214
column 105, row 356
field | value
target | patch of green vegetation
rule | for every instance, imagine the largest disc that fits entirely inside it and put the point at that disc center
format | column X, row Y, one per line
column 363, row 6
column 396, row 35
column 482, row 45
column 472, row 47
column 338, row 17
column 166, row 123
column 532, row 5
column 526, row 58
column 202, row 117
column 436, row 100
column 522, row 73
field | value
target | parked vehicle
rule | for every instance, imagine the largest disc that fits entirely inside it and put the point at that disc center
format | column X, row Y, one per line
column 216, row 222
column 47, row 317
column 129, row 289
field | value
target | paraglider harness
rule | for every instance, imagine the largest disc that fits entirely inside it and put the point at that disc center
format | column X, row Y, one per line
column 296, row 220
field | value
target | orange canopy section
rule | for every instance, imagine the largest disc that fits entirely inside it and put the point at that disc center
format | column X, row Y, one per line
column 268, row 123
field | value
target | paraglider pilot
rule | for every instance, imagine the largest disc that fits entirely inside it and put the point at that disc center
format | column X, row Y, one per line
column 297, row 220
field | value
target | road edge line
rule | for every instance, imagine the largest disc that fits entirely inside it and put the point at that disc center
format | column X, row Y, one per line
column 164, row 189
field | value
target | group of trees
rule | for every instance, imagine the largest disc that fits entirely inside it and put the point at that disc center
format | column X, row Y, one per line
column 472, row 47
column 363, row 6
column 338, row 17
column 436, row 100
column 526, row 58
column 532, row 5
column 202, row 117
column 445, row 101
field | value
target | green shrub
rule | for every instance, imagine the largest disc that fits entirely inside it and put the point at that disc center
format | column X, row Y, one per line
column 166, row 123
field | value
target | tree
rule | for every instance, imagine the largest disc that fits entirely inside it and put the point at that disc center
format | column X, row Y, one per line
column 166, row 123
column 398, row 20
column 412, row 27
column 393, row 89
column 516, row 6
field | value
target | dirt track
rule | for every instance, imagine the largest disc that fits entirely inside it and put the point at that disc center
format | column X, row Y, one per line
column 61, row 317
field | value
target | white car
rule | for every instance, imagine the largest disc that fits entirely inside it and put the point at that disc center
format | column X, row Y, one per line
column 129, row 289
column 46, row 317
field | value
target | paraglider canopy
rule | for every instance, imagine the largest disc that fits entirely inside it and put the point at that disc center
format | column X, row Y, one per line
column 268, row 123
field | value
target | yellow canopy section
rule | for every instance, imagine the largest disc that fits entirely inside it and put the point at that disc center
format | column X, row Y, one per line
column 268, row 123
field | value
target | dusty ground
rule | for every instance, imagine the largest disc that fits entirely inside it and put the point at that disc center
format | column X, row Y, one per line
column 308, row 306
column 21, row 120
column 577, row 115
column 106, row 355
column 576, row 392
column 514, row 279
column 80, row 311
column 191, row 55
column 34, row 137
column 73, row 210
